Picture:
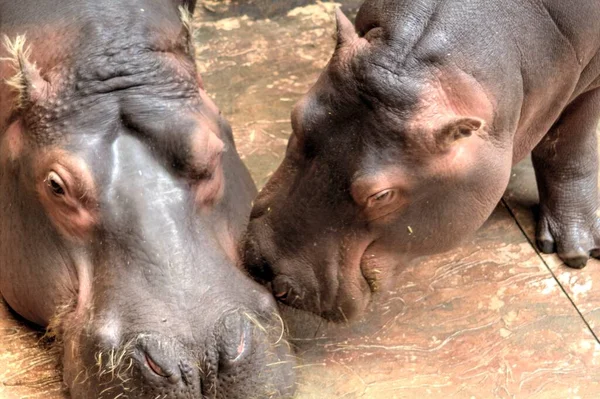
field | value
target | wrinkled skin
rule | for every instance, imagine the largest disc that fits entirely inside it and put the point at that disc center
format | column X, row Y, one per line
column 404, row 145
column 123, row 198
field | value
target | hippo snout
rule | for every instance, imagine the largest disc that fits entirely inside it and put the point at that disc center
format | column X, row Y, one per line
column 290, row 283
column 166, row 366
column 244, row 355
column 256, row 262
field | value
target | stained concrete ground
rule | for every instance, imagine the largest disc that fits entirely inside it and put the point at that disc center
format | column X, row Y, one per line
column 492, row 319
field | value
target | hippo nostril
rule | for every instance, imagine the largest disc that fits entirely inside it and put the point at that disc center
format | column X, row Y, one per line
column 260, row 207
column 235, row 340
column 241, row 347
column 161, row 364
column 260, row 269
column 254, row 258
column 265, row 271
column 282, row 295
column 257, row 212
column 283, row 290
column 155, row 367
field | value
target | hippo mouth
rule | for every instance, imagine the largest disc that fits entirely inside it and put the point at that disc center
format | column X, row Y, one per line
column 371, row 281
column 287, row 292
column 370, row 272
column 353, row 295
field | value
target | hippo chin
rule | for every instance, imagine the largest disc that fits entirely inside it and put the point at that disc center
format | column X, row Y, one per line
column 404, row 145
column 123, row 199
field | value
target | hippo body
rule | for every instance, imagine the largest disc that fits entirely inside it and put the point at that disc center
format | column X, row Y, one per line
column 123, row 201
column 404, row 145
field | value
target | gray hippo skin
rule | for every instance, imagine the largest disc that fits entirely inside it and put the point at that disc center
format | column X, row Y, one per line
column 123, row 198
column 404, row 145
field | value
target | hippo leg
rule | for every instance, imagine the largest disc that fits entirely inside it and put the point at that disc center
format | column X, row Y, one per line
column 566, row 169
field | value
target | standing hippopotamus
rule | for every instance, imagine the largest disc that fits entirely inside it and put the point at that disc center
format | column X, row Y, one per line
column 122, row 200
column 404, row 145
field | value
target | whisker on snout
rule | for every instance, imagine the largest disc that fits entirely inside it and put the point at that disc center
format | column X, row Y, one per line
column 280, row 363
column 254, row 321
column 278, row 317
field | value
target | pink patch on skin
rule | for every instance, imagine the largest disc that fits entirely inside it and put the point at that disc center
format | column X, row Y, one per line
column 13, row 139
column 199, row 81
column 226, row 239
column 207, row 150
column 280, row 294
column 155, row 367
column 462, row 95
column 84, row 276
column 452, row 95
column 241, row 347
column 74, row 213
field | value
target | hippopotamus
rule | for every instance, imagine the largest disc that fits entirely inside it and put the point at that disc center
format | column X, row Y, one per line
column 123, row 200
column 404, row 145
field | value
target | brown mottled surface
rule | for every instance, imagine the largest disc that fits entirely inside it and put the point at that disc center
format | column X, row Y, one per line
column 28, row 365
column 582, row 286
column 486, row 320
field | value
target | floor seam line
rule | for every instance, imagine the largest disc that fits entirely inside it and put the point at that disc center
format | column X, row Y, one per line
column 539, row 255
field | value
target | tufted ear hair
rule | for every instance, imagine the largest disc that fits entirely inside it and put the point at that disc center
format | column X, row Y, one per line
column 190, row 5
column 187, row 35
column 345, row 29
column 26, row 81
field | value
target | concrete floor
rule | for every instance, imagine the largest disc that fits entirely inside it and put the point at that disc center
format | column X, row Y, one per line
column 493, row 318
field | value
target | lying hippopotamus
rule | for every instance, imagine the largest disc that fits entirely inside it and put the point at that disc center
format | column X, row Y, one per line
column 123, row 198
column 405, row 144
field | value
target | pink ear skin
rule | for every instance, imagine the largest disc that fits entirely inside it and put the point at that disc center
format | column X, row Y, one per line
column 458, row 144
column 452, row 106
column 200, row 81
column 66, row 190
column 456, row 129
column 346, row 33
column 27, row 81
column 36, row 88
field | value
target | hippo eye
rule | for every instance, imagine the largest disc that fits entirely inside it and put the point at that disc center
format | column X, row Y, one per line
column 381, row 198
column 55, row 184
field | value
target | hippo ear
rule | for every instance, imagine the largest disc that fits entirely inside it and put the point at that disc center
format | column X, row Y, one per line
column 190, row 5
column 345, row 29
column 457, row 128
column 27, row 81
column 187, row 34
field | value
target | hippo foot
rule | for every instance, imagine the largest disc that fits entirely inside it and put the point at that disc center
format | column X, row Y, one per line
column 572, row 237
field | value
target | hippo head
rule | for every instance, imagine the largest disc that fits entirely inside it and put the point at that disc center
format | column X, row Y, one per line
column 123, row 200
column 384, row 165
